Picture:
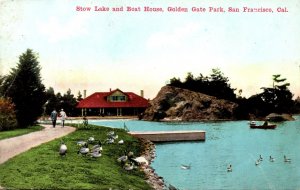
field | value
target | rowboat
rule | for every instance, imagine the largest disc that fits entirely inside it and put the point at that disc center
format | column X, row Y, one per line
column 253, row 125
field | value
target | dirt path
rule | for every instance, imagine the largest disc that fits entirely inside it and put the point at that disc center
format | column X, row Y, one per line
column 16, row 145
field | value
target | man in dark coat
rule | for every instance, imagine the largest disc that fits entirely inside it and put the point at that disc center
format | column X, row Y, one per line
column 53, row 117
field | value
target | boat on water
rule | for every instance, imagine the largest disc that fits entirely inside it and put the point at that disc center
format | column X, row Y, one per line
column 253, row 125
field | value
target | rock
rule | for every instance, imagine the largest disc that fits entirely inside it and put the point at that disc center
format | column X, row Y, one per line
column 177, row 104
column 279, row 117
column 152, row 178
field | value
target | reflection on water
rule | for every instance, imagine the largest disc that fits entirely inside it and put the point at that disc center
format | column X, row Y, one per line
column 230, row 142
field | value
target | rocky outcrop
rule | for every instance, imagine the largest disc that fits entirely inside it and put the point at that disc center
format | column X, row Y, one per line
column 173, row 103
column 279, row 117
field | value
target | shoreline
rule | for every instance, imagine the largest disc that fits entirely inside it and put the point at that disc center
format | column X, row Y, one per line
column 152, row 178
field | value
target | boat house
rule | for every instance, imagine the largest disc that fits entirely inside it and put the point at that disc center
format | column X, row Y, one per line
column 113, row 103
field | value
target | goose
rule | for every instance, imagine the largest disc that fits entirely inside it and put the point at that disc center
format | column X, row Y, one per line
column 110, row 133
column 91, row 140
column 185, row 167
column 141, row 160
column 129, row 166
column 95, row 154
column 130, row 154
column 271, row 159
column 123, row 159
column 81, row 143
column 229, row 168
column 84, row 150
column 97, row 147
column 110, row 141
column 115, row 137
column 63, row 149
column 260, row 158
column 287, row 159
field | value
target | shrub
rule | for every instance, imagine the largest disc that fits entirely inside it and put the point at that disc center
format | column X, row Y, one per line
column 7, row 115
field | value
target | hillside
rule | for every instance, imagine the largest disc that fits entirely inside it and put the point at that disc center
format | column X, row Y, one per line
column 172, row 103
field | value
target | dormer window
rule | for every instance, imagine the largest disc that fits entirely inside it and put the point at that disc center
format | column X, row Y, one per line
column 117, row 98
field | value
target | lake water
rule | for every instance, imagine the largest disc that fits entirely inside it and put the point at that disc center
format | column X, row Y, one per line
column 231, row 142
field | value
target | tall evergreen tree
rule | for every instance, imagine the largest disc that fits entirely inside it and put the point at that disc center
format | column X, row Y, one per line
column 79, row 97
column 24, row 86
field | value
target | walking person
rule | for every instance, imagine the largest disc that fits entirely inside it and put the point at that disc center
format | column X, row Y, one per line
column 63, row 116
column 53, row 117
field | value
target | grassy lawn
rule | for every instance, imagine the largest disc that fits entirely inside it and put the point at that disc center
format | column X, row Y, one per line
column 43, row 168
column 18, row 132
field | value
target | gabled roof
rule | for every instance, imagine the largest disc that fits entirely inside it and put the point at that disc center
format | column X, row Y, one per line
column 99, row 100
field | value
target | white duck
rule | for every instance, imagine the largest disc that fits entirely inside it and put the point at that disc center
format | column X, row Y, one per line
column 141, row 160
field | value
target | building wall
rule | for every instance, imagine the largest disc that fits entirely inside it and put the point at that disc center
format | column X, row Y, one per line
column 114, row 111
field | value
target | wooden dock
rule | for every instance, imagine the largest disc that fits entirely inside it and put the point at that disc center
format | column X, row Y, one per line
column 168, row 136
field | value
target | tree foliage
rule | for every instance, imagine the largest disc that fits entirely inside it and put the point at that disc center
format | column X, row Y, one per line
column 53, row 101
column 68, row 102
column 8, row 118
column 24, row 86
column 215, row 85
column 275, row 99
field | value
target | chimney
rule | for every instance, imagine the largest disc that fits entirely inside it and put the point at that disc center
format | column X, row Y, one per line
column 84, row 93
column 110, row 89
column 142, row 93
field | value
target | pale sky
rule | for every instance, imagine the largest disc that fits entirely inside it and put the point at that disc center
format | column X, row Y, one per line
column 136, row 51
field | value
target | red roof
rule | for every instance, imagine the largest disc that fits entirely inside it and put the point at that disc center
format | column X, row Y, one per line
column 99, row 100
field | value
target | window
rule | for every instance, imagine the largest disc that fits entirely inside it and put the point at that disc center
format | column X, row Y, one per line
column 117, row 98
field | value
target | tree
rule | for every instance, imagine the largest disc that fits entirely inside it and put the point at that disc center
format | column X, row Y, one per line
column 296, row 108
column 278, row 98
column 52, row 101
column 7, row 115
column 79, row 97
column 68, row 103
column 219, row 86
column 215, row 85
column 175, row 82
column 24, row 86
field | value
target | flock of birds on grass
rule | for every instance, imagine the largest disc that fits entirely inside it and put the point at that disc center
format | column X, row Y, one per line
column 260, row 159
column 128, row 161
